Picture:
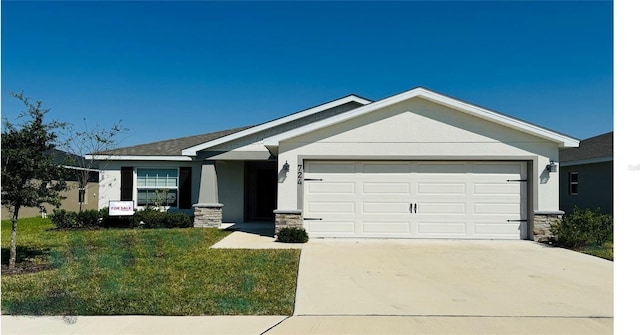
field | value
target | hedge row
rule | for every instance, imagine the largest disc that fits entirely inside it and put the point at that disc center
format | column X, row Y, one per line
column 584, row 227
column 146, row 218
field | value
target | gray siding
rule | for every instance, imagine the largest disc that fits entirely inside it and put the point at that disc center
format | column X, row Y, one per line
column 595, row 187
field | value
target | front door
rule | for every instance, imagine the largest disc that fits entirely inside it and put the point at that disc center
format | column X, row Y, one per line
column 261, row 189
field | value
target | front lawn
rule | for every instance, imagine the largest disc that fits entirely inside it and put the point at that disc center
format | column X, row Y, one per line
column 603, row 251
column 142, row 272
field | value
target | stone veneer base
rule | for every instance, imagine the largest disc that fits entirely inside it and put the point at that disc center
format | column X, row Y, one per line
column 207, row 215
column 287, row 218
column 542, row 222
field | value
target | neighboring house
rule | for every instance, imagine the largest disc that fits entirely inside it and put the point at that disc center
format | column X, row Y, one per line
column 70, row 197
column 417, row 164
column 586, row 175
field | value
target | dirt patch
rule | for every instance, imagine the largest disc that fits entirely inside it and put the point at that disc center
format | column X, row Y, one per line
column 22, row 268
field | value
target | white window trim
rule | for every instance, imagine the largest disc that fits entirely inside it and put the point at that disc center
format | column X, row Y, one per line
column 136, row 187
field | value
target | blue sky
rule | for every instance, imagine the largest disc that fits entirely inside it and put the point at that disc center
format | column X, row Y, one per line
column 173, row 69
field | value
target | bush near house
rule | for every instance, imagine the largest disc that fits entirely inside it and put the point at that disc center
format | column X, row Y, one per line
column 586, row 230
column 292, row 235
column 146, row 218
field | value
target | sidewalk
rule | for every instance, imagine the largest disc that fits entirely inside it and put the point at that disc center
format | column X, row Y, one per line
column 137, row 325
column 281, row 325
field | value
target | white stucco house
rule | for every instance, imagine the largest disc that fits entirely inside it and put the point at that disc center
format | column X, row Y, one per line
column 417, row 164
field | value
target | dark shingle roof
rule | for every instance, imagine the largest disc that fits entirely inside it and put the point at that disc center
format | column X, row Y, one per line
column 171, row 147
column 600, row 146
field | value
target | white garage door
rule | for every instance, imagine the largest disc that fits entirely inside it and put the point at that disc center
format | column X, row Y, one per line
column 421, row 199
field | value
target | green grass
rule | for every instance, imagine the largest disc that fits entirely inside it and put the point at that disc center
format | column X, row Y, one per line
column 603, row 251
column 144, row 272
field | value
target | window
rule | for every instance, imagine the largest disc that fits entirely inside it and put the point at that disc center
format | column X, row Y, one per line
column 157, row 187
column 573, row 183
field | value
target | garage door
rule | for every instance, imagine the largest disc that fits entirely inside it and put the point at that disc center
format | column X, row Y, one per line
column 416, row 199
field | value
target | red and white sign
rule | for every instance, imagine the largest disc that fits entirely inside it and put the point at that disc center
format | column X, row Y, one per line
column 121, row 208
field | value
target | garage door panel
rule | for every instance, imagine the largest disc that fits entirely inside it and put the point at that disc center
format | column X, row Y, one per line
column 331, row 167
column 385, row 188
column 498, row 169
column 496, row 188
column 340, row 227
column 387, row 227
column 383, row 208
column 504, row 229
column 497, row 208
column 439, row 229
column 424, row 188
column 332, row 207
column 386, row 168
column 442, row 168
column 427, row 209
column 333, row 188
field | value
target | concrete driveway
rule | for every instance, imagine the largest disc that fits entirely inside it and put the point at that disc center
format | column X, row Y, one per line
column 446, row 278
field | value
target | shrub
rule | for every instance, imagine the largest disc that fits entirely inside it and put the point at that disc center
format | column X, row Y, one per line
column 63, row 219
column 583, row 227
column 88, row 218
column 153, row 218
column 292, row 235
column 115, row 221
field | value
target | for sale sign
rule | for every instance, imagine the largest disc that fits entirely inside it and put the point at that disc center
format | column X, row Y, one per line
column 120, row 208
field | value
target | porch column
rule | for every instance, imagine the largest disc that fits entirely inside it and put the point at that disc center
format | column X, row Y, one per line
column 208, row 212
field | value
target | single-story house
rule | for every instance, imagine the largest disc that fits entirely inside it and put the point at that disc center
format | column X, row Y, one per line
column 586, row 175
column 417, row 164
column 70, row 197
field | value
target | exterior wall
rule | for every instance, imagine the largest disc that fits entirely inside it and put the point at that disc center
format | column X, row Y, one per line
column 420, row 130
column 110, row 180
column 70, row 202
column 231, row 190
column 595, row 187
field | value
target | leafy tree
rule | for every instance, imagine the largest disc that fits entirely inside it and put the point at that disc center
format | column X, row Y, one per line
column 30, row 177
column 84, row 141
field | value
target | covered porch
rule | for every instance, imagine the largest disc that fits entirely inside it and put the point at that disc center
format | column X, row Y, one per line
column 238, row 195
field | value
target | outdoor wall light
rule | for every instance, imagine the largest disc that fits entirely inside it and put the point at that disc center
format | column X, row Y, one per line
column 285, row 167
column 552, row 166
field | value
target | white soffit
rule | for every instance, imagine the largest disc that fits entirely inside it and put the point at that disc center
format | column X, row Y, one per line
column 563, row 140
column 192, row 151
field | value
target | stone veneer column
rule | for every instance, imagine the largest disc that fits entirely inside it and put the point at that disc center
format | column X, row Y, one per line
column 288, row 218
column 208, row 212
column 542, row 221
column 207, row 215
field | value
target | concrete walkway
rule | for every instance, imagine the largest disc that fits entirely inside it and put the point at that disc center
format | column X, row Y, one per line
column 401, row 287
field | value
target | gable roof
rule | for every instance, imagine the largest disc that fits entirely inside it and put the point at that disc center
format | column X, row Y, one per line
column 420, row 92
column 192, row 151
column 171, row 147
column 185, row 148
column 591, row 150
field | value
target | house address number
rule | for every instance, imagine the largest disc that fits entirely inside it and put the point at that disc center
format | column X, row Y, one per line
column 299, row 174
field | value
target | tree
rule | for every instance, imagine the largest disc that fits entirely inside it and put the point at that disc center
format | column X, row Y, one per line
column 82, row 143
column 30, row 177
